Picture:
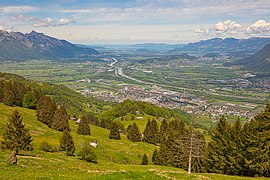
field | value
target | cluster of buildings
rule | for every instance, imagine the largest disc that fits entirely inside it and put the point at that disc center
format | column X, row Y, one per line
column 171, row 99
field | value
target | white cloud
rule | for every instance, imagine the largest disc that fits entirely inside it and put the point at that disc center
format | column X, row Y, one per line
column 260, row 27
column 24, row 18
column 46, row 22
column 65, row 21
column 231, row 28
column 14, row 9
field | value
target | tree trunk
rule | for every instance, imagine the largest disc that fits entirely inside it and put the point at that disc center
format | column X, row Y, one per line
column 12, row 159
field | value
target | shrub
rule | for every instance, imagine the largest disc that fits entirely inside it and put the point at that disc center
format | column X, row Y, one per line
column 44, row 146
column 87, row 153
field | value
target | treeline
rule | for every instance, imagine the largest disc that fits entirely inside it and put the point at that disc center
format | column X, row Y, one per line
column 138, row 107
column 238, row 149
column 74, row 102
column 241, row 149
column 16, row 93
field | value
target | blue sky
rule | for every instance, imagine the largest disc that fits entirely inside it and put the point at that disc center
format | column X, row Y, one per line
column 137, row 21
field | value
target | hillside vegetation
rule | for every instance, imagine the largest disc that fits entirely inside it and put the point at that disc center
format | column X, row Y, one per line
column 116, row 159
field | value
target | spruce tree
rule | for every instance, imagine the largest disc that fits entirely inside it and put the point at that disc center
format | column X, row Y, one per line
column 134, row 133
column 163, row 130
column 128, row 128
column 218, row 147
column 257, row 145
column 60, row 119
column 29, row 100
column 151, row 132
column 146, row 132
column 1, row 90
column 155, row 157
column 114, row 132
column 45, row 109
column 9, row 96
column 83, row 128
column 16, row 137
column 145, row 159
column 67, row 143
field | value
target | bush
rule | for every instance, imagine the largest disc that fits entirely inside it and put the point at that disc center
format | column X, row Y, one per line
column 44, row 146
column 87, row 153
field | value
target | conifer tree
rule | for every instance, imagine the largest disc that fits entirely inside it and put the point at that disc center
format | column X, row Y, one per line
column 67, row 143
column 29, row 100
column 163, row 130
column 155, row 157
column 1, row 90
column 9, row 96
column 45, row 109
column 145, row 159
column 60, row 119
column 114, row 132
column 257, row 144
column 151, row 132
column 128, row 128
column 146, row 132
column 134, row 133
column 16, row 137
column 218, row 147
column 83, row 128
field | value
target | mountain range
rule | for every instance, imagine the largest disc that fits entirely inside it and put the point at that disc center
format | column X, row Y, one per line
column 259, row 62
column 16, row 46
column 230, row 46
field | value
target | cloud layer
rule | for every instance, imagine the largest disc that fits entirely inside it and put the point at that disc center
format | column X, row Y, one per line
column 43, row 22
column 232, row 28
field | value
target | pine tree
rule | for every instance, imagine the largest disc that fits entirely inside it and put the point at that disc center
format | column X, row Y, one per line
column 257, row 145
column 1, row 90
column 114, row 132
column 45, row 109
column 16, row 137
column 146, row 132
column 155, row 157
column 145, row 159
column 9, row 96
column 83, row 128
column 151, row 132
column 67, row 143
column 218, row 147
column 29, row 100
column 19, row 91
column 163, row 130
column 128, row 128
column 60, row 119
column 134, row 133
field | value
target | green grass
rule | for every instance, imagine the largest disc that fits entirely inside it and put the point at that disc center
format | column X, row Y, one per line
column 117, row 159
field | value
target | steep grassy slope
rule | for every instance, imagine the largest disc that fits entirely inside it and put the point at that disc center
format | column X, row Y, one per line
column 117, row 159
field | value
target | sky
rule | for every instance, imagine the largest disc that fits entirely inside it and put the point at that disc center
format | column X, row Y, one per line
column 137, row 21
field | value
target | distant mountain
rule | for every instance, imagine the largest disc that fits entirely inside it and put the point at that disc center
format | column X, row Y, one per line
column 229, row 46
column 168, row 58
column 155, row 46
column 212, row 55
column 17, row 46
column 259, row 62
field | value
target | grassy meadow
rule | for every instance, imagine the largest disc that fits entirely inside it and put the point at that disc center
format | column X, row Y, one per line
column 116, row 159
